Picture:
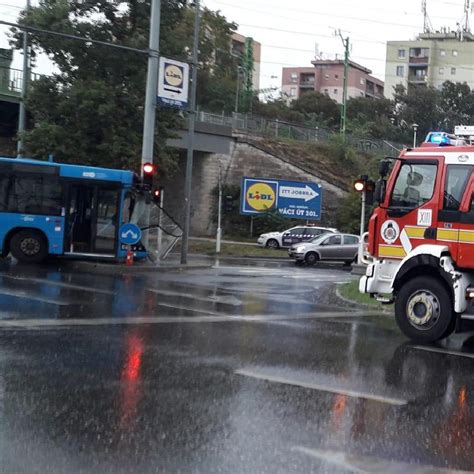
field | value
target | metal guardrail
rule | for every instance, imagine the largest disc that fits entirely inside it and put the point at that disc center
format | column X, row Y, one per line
column 262, row 127
column 11, row 80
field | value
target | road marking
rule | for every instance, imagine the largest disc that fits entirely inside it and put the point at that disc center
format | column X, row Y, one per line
column 366, row 464
column 58, row 283
column 258, row 318
column 470, row 355
column 187, row 308
column 321, row 388
column 41, row 299
column 224, row 300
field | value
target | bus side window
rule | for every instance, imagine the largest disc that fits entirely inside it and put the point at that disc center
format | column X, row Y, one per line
column 127, row 207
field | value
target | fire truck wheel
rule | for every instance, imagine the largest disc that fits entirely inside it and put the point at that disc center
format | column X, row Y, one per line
column 29, row 246
column 423, row 310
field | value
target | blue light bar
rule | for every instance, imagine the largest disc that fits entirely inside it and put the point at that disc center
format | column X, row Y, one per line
column 438, row 138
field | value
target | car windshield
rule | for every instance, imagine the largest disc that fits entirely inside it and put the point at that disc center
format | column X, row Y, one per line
column 319, row 238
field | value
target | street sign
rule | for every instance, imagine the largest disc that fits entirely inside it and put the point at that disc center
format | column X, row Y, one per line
column 173, row 82
column 292, row 199
column 130, row 234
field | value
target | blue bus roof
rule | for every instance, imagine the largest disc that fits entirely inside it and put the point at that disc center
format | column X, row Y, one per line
column 91, row 173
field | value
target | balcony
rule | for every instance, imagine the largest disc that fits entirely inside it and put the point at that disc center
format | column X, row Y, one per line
column 307, row 81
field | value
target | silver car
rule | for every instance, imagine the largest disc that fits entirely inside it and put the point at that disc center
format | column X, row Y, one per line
column 328, row 247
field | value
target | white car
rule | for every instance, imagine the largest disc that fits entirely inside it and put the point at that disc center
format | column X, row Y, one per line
column 287, row 238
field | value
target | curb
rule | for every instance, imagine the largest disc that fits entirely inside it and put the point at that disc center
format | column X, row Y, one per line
column 363, row 305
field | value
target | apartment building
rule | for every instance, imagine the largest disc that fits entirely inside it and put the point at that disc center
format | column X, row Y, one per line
column 327, row 77
column 430, row 60
column 238, row 48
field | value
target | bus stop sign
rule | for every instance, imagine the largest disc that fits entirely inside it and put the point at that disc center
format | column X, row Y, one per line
column 130, row 234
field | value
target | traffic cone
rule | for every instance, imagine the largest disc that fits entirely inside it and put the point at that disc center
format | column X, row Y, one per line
column 129, row 257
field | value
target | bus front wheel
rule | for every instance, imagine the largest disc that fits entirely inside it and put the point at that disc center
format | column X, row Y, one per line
column 29, row 246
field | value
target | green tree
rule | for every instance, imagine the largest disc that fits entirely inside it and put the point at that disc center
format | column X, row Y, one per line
column 91, row 111
column 319, row 109
column 457, row 102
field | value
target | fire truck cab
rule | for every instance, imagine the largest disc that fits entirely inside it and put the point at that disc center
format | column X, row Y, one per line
column 421, row 236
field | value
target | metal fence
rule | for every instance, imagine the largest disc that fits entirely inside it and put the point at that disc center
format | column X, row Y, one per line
column 11, row 80
column 253, row 125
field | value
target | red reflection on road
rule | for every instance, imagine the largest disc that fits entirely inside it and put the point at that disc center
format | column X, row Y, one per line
column 130, row 379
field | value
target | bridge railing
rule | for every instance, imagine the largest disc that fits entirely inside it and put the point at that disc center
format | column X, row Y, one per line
column 254, row 125
column 11, row 80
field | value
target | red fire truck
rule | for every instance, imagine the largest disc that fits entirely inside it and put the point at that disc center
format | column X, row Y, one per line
column 421, row 236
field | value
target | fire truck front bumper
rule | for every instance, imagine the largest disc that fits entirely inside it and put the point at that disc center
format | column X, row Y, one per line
column 378, row 277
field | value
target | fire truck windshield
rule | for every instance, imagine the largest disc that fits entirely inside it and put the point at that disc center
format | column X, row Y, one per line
column 414, row 185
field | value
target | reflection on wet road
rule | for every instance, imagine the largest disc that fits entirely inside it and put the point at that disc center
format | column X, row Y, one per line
column 238, row 368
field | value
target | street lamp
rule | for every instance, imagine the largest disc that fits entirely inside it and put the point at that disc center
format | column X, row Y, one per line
column 415, row 128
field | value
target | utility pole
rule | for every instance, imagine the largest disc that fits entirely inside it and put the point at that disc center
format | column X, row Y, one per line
column 24, row 89
column 219, row 213
column 151, row 85
column 346, row 44
column 191, row 122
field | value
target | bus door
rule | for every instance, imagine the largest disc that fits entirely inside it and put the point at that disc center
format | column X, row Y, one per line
column 92, row 214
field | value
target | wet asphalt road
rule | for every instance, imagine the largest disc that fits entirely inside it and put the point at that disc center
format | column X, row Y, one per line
column 244, row 367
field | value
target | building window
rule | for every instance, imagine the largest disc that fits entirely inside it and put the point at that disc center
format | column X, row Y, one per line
column 441, row 71
column 442, row 52
column 326, row 76
column 453, row 71
column 401, row 53
column 326, row 91
column 336, row 76
column 293, row 92
column 400, row 71
column 335, row 91
column 362, row 82
column 294, row 76
column 455, row 52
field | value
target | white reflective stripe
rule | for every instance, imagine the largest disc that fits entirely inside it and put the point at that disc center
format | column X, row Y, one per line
column 407, row 246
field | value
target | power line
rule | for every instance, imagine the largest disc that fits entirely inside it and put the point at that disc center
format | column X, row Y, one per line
column 368, row 20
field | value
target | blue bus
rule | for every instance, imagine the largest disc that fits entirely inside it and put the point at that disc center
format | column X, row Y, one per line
column 49, row 208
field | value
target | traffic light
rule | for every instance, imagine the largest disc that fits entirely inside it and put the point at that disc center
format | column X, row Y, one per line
column 148, row 171
column 228, row 203
column 359, row 185
column 157, row 195
column 364, row 184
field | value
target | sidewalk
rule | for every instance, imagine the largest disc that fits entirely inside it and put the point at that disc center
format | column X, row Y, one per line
column 235, row 242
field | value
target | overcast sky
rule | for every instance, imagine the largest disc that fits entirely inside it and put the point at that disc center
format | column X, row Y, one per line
column 289, row 30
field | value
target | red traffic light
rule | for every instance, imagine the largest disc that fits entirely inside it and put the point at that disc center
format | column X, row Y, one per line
column 359, row 185
column 149, row 168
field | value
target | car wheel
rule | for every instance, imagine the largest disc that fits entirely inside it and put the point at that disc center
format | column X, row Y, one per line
column 311, row 258
column 424, row 311
column 272, row 244
column 29, row 246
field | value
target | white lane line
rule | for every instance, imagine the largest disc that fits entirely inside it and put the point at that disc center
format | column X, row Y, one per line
column 469, row 355
column 321, row 388
column 25, row 295
column 366, row 464
column 58, row 283
column 187, row 308
column 224, row 300
column 260, row 318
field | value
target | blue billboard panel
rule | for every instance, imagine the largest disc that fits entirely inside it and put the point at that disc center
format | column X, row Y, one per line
column 292, row 199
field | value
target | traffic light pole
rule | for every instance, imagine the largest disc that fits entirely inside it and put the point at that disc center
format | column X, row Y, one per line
column 362, row 225
column 24, row 90
column 219, row 215
column 191, row 122
column 151, row 85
